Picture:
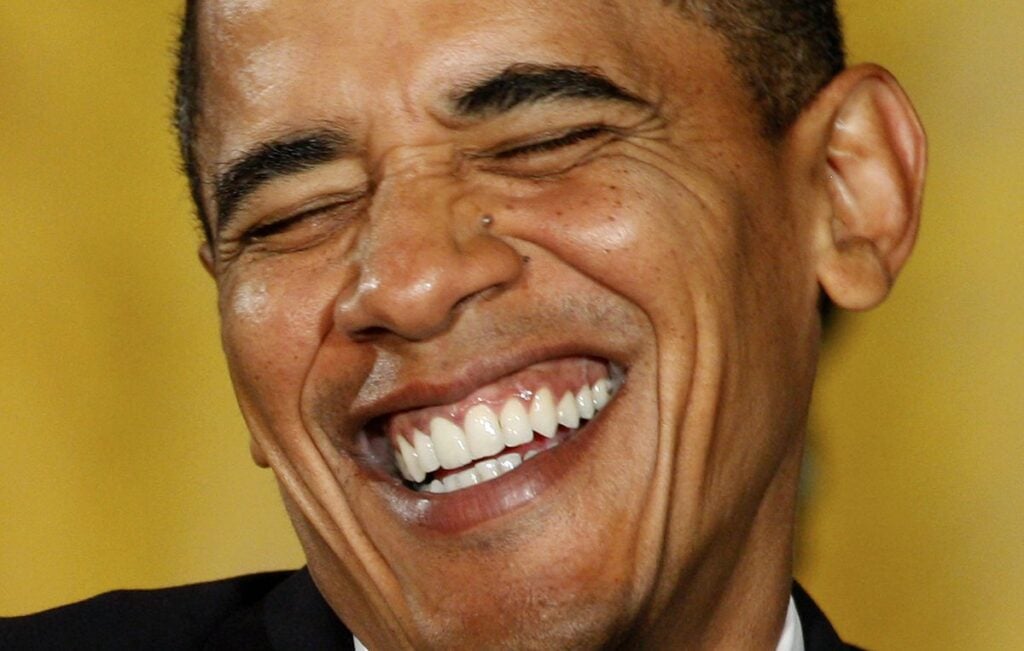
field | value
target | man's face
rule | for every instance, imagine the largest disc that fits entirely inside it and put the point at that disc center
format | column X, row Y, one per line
column 433, row 217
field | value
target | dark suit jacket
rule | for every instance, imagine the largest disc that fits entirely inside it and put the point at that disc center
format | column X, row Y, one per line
column 275, row 611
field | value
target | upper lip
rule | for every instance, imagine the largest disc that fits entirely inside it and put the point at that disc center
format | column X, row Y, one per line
column 432, row 389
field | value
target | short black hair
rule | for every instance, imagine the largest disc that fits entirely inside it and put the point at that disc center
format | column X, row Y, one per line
column 785, row 51
column 186, row 107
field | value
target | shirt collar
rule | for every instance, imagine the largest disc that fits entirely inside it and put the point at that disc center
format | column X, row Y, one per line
column 792, row 636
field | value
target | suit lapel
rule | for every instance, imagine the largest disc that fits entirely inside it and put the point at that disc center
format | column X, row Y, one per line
column 818, row 632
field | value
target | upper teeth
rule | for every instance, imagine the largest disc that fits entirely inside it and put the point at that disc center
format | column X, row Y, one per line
column 485, row 434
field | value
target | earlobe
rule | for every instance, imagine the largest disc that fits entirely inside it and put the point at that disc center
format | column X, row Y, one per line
column 206, row 257
column 872, row 177
column 257, row 453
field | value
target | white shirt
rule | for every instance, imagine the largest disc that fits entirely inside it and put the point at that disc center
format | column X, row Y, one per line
column 792, row 635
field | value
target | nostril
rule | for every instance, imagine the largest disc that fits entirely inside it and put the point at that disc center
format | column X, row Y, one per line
column 483, row 295
column 371, row 332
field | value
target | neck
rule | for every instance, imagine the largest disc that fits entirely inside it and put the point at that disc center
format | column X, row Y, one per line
column 738, row 595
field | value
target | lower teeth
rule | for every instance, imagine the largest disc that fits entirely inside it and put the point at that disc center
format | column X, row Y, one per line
column 478, row 474
column 482, row 471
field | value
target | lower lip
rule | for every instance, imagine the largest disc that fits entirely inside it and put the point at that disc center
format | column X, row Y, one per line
column 463, row 510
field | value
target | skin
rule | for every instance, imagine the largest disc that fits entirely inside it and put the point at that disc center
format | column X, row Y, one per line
column 679, row 243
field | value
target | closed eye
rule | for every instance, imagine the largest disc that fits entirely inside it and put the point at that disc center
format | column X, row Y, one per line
column 271, row 229
column 263, row 231
column 567, row 140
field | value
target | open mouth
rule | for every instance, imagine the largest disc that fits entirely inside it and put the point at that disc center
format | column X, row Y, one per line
column 499, row 427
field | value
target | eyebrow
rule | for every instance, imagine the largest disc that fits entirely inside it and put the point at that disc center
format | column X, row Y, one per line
column 527, row 83
column 270, row 160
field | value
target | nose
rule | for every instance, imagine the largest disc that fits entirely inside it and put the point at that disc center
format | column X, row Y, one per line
column 425, row 254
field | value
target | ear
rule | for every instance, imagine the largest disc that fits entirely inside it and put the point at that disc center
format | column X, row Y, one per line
column 866, row 152
column 258, row 454
column 206, row 257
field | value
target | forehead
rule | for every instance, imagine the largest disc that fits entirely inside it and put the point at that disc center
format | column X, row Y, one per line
column 273, row 65
column 396, row 34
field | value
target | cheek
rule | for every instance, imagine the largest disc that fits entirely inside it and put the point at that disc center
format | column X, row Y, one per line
column 272, row 326
column 249, row 303
column 641, row 237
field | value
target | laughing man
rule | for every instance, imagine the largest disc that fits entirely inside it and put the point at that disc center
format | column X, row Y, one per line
column 521, row 301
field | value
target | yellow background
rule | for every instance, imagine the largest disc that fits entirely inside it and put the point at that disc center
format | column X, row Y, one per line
column 123, row 461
